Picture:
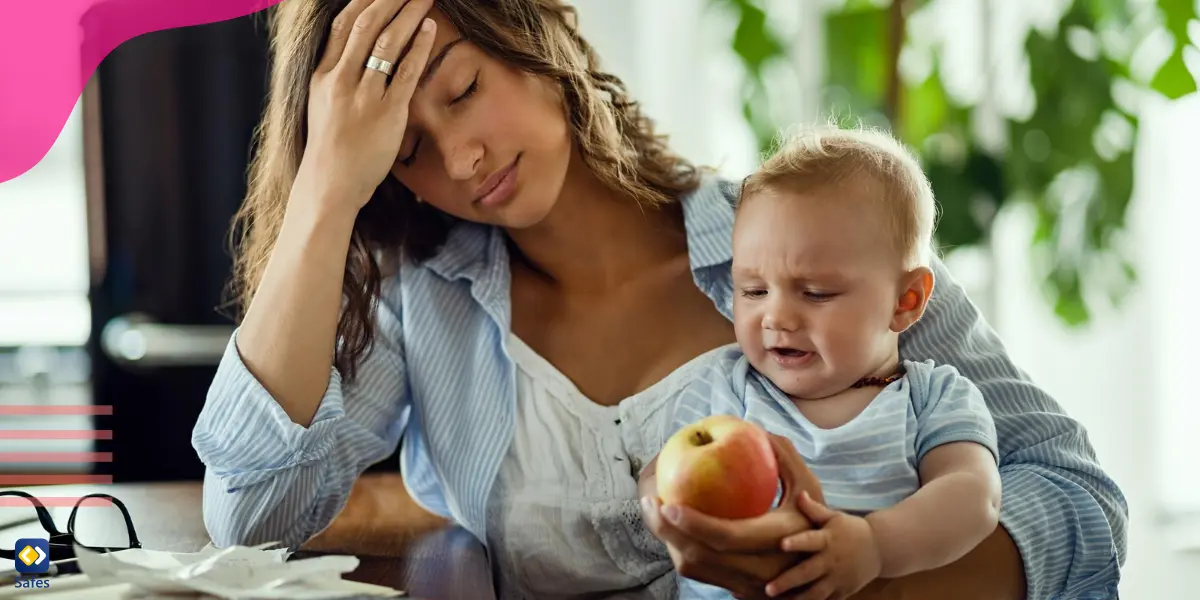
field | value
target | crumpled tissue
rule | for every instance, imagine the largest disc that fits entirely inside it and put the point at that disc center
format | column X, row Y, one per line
column 235, row 573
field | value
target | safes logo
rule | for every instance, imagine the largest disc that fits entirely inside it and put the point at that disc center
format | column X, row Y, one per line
column 33, row 555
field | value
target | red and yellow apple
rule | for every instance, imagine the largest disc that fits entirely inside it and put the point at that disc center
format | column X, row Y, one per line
column 722, row 466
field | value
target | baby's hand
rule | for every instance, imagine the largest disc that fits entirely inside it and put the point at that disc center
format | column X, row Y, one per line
column 844, row 555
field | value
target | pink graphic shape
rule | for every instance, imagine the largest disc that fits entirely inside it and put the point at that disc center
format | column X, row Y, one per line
column 49, row 49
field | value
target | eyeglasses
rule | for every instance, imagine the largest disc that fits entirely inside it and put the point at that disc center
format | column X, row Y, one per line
column 62, row 545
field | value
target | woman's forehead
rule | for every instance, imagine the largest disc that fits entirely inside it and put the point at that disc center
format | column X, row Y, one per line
column 445, row 40
column 447, row 32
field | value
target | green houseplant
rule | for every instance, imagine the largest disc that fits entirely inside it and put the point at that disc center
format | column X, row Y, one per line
column 1078, row 135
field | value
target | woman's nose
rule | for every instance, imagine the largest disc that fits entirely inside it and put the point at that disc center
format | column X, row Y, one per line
column 463, row 158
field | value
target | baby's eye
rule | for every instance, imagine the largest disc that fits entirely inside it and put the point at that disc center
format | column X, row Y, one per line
column 819, row 296
column 753, row 293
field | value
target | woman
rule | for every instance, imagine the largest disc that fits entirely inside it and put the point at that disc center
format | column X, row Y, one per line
column 492, row 254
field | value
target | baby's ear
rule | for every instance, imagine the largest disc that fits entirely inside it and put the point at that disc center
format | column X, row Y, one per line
column 915, row 289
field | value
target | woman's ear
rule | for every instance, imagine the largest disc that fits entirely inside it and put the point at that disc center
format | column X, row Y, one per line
column 916, row 287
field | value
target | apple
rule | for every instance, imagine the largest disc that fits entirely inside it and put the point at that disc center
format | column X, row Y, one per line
column 721, row 465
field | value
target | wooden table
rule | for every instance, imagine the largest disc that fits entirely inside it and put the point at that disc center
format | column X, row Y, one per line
column 432, row 561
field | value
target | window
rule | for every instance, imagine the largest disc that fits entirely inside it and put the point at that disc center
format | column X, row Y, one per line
column 44, row 312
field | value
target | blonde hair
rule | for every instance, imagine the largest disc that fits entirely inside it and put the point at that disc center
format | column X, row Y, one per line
column 809, row 158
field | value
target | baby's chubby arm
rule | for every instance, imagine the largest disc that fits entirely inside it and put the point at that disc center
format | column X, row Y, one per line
column 957, row 506
column 958, row 503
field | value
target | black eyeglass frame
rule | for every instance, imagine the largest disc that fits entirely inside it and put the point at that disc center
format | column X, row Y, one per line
column 62, row 545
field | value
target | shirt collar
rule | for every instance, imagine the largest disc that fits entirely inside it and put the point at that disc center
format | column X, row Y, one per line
column 465, row 252
column 708, row 218
column 707, row 215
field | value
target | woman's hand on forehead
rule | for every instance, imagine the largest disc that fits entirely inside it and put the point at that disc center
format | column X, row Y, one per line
column 359, row 95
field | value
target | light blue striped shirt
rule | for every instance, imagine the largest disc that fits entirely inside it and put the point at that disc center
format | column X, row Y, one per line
column 440, row 378
column 873, row 460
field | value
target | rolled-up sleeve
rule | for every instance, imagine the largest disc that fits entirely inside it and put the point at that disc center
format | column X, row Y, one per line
column 1066, row 515
column 268, row 478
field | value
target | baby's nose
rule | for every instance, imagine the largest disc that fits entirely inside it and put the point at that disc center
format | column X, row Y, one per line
column 782, row 318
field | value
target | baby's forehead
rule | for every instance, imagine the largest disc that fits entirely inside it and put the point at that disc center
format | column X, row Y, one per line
column 860, row 201
column 854, row 185
column 820, row 223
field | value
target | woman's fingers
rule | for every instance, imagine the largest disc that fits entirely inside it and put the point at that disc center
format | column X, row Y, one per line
column 693, row 559
column 412, row 66
column 816, row 512
column 363, row 33
column 794, row 472
column 710, row 570
column 394, row 39
column 660, row 527
column 756, row 534
column 339, row 32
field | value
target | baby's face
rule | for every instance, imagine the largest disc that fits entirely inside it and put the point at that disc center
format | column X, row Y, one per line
column 816, row 285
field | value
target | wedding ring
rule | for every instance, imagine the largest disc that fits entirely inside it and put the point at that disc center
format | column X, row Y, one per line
column 380, row 65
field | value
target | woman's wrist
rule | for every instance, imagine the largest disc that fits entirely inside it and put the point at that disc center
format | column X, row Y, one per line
column 324, row 193
column 321, row 208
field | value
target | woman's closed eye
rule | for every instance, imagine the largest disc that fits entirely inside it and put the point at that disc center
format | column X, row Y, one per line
column 412, row 156
column 465, row 95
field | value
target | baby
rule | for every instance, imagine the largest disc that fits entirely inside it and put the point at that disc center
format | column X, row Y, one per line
column 831, row 262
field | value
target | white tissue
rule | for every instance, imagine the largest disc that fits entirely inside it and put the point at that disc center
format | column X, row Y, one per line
column 236, row 573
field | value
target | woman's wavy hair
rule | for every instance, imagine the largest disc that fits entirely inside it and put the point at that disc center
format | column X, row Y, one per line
column 615, row 140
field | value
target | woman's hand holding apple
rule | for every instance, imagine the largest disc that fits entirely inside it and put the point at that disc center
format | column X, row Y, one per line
column 741, row 555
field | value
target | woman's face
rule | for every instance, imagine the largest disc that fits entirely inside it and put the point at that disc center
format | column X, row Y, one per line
column 485, row 142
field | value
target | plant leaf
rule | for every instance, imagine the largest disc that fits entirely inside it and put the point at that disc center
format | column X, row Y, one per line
column 1173, row 79
column 1176, row 15
column 856, row 47
column 753, row 41
column 1071, row 308
column 923, row 110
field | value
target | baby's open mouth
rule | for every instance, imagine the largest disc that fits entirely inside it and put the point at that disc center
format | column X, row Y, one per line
column 790, row 358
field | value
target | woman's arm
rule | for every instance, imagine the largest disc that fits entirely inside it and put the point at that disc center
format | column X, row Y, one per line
column 1060, row 511
column 282, row 438
column 287, row 339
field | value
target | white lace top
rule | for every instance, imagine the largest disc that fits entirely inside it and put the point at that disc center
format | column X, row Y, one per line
column 563, row 517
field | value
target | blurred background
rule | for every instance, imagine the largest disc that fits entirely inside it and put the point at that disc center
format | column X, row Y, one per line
column 1061, row 137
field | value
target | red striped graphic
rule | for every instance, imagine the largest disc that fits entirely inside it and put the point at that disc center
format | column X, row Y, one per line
column 56, row 479
column 23, row 457
column 54, row 409
column 16, row 459
column 51, row 501
column 55, row 434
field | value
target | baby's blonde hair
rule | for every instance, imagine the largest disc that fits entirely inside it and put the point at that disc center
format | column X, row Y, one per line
column 810, row 158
